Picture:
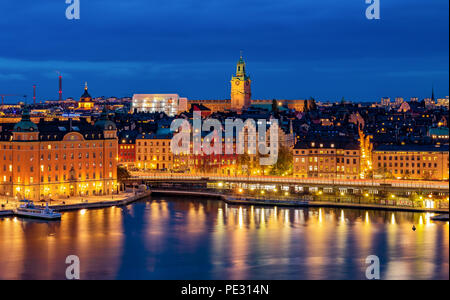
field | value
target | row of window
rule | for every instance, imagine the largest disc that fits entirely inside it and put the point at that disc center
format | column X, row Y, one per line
column 56, row 157
column 155, row 158
column 55, row 147
column 49, row 167
column 56, row 177
column 151, row 150
column 321, row 159
column 326, row 169
column 151, row 143
column 406, row 158
column 325, row 152
column 424, row 165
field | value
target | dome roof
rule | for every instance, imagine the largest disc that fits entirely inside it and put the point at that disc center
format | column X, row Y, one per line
column 85, row 97
column 104, row 123
column 25, row 125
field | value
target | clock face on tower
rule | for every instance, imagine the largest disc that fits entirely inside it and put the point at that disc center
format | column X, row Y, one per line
column 237, row 82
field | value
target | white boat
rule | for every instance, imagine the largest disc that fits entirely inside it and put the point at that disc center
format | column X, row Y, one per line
column 29, row 210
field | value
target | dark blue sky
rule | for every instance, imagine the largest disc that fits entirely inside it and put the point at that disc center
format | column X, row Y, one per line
column 294, row 48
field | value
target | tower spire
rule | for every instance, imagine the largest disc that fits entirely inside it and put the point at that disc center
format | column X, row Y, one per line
column 85, row 86
column 432, row 92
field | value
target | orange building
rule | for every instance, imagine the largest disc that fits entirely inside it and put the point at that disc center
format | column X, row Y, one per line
column 153, row 152
column 411, row 162
column 58, row 159
column 325, row 159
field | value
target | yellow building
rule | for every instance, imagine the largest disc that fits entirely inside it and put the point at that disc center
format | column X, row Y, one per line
column 58, row 159
column 325, row 159
column 240, row 88
column 153, row 152
column 426, row 162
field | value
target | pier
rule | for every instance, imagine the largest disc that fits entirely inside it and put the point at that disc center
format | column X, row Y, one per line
column 123, row 200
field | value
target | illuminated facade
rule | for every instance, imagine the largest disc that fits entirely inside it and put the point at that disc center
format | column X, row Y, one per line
column 213, row 105
column 57, row 159
column 327, row 160
column 86, row 102
column 411, row 162
column 170, row 104
column 153, row 152
column 127, row 148
column 240, row 88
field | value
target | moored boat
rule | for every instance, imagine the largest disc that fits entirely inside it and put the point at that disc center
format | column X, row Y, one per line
column 29, row 210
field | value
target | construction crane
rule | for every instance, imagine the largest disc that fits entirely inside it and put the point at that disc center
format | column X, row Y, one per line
column 8, row 95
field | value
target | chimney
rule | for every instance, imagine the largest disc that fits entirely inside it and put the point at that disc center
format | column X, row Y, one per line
column 60, row 88
column 34, row 94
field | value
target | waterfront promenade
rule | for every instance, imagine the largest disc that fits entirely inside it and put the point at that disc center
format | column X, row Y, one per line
column 76, row 203
column 391, row 184
column 295, row 202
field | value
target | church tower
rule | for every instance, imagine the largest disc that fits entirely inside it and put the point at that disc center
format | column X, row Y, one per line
column 240, row 88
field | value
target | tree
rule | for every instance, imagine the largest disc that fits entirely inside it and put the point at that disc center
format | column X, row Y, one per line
column 384, row 172
column 122, row 174
column 284, row 162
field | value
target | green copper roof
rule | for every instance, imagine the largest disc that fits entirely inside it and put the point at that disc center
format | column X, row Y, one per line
column 25, row 125
column 104, row 123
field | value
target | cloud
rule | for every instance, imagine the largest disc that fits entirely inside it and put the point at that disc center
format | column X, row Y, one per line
column 12, row 76
column 191, row 46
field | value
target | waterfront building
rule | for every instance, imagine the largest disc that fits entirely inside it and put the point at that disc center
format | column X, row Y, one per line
column 338, row 158
column 170, row 104
column 58, row 159
column 153, row 152
column 429, row 162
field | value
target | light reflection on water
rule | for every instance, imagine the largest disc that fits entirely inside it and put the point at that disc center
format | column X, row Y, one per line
column 189, row 239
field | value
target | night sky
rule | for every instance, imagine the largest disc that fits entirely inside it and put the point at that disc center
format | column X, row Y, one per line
column 294, row 49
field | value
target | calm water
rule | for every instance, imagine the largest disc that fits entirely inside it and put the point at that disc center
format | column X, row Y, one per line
column 169, row 238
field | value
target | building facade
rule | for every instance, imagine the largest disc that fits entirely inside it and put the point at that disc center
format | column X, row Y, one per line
column 316, row 159
column 52, row 160
column 425, row 162
column 86, row 102
column 241, row 92
column 153, row 152
column 127, row 148
column 170, row 104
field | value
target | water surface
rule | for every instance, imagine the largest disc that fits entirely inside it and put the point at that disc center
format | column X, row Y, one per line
column 182, row 238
